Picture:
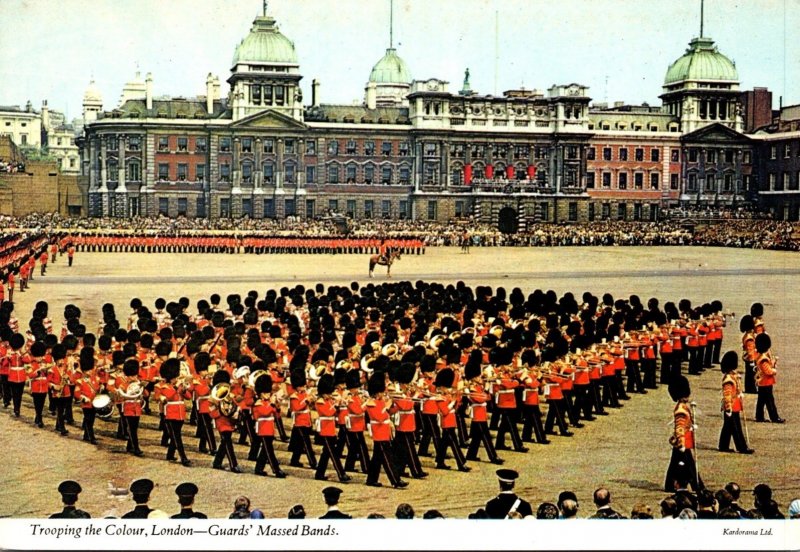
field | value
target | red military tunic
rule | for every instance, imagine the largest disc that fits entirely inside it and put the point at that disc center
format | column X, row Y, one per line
column 355, row 414
column 298, row 406
column 403, row 411
column 379, row 420
column 264, row 415
column 326, row 422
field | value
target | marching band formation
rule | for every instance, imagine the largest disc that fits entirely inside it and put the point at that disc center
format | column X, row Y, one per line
column 398, row 366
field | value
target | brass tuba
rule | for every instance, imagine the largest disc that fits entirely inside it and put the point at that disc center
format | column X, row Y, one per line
column 222, row 396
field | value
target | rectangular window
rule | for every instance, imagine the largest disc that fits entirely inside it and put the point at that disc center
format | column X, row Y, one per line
column 591, row 212
column 460, row 209
column 350, row 174
column 787, row 150
column 268, row 95
column 225, row 207
column 311, row 176
column 163, row 206
column 289, row 208
column 386, row 175
column 386, row 208
column 369, row 147
column 639, row 154
column 333, row 174
column 225, row 172
column 269, row 208
column 369, row 208
column 403, row 148
column 369, row 174
column 225, row 144
column 654, row 179
column 333, row 205
column 691, row 183
column 200, row 145
column 676, row 155
column 289, row 173
column 247, row 207
column 747, row 157
column 430, row 150
column 163, row 143
column 572, row 152
column 432, row 210
column 255, row 94
column 200, row 172
column 134, row 143
column 333, row 147
column 623, row 154
column 311, row 147
column 590, row 153
column 544, row 210
column 711, row 156
column 729, row 156
column 727, row 182
column 606, row 154
column 637, row 211
column 655, row 155
column 247, row 172
column 183, row 143
column 405, row 175
column 183, row 206
column 247, row 145
column 621, row 211
column 541, row 153
column 403, row 214
column 183, row 171
column 200, row 207
column 288, row 146
column 692, row 155
column 638, row 181
column 606, row 180
column 279, row 95
column 134, row 171
column 674, row 181
column 773, row 152
column 269, row 173
column 269, row 145
column 606, row 211
column 310, row 208
column 573, row 211
column 111, row 142
column 590, row 180
column 163, row 171
column 350, row 148
column 351, row 208
column 622, row 181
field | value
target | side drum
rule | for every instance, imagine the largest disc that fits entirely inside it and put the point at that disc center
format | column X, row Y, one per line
column 103, row 406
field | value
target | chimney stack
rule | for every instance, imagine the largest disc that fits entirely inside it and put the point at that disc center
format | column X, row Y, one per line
column 45, row 116
column 210, row 94
column 372, row 95
column 315, row 93
column 148, row 91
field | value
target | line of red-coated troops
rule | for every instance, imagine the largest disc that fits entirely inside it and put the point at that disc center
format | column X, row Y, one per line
column 19, row 256
column 410, row 365
column 241, row 244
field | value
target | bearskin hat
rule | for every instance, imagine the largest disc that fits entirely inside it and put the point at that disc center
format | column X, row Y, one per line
column 729, row 362
column 763, row 343
column 679, row 388
column 376, row 383
column 326, row 384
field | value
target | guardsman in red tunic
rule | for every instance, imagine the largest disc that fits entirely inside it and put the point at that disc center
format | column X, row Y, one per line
column 505, row 401
column 264, row 415
column 381, row 427
column 58, row 379
column 478, row 400
column 70, row 254
column 749, row 353
column 447, row 403
column 130, row 391
column 201, row 389
column 37, row 373
column 766, row 370
column 355, row 422
column 43, row 261
column 325, row 406
column 224, row 411
column 554, row 379
column 405, row 424
column 171, row 393
column 53, row 251
column 17, row 376
column 532, row 415
column 85, row 392
column 300, row 440
column 732, row 406
column 11, row 284
column 682, row 463
column 429, row 411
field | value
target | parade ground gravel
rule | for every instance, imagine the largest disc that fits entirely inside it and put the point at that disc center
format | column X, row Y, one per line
column 627, row 451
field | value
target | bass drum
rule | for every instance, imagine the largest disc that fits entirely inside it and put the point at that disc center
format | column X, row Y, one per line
column 103, row 406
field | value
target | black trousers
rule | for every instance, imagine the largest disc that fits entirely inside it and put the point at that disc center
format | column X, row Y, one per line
column 750, row 377
column 341, row 440
column 250, row 427
column 583, row 400
column 405, row 454
column 300, row 443
column 16, row 395
column 609, row 391
column 695, row 360
column 619, row 385
column 569, row 408
column 89, row 416
column 205, row 431
column 450, row 440
column 555, row 415
column 382, row 457
column 732, row 427
column 267, row 454
column 479, row 435
column 38, row 407
column 682, row 463
column 507, row 424
column 133, row 433
column 532, row 423
column 430, row 432
column 649, row 370
column 597, row 399
column 716, row 350
column 5, row 388
column 666, row 367
column 357, row 451
column 766, row 398
column 61, row 412
column 329, row 453
column 175, row 443
column 225, row 449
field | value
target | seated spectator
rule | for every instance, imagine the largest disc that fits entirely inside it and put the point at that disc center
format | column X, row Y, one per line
column 602, row 499
column 432, row 514
column 569, row 509
column 735, row 492
column 669, row 508
column 404, row 511
column 241, row 508
column 376, row 516
column 705, row 505
column 297, row 512
column 763, row 502
column 547, row 510
column 641, row 511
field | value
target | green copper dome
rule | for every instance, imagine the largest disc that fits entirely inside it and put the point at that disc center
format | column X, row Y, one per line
column 390, row 69
column 265, row 44
column 701, row 62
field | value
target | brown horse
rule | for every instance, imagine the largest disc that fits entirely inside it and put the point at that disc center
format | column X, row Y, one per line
column 392, row 255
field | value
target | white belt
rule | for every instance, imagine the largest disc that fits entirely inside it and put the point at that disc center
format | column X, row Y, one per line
column 174, row 402
column 504, row 391
column 265, row 419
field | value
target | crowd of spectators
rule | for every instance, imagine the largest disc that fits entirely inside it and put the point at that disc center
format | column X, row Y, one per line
column 11, row 166
column 732, row 228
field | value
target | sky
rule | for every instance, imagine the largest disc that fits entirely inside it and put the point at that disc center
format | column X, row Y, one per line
column 621, row 49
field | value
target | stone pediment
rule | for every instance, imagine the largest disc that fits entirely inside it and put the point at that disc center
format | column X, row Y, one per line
column 269, row 119
column 716, row 133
